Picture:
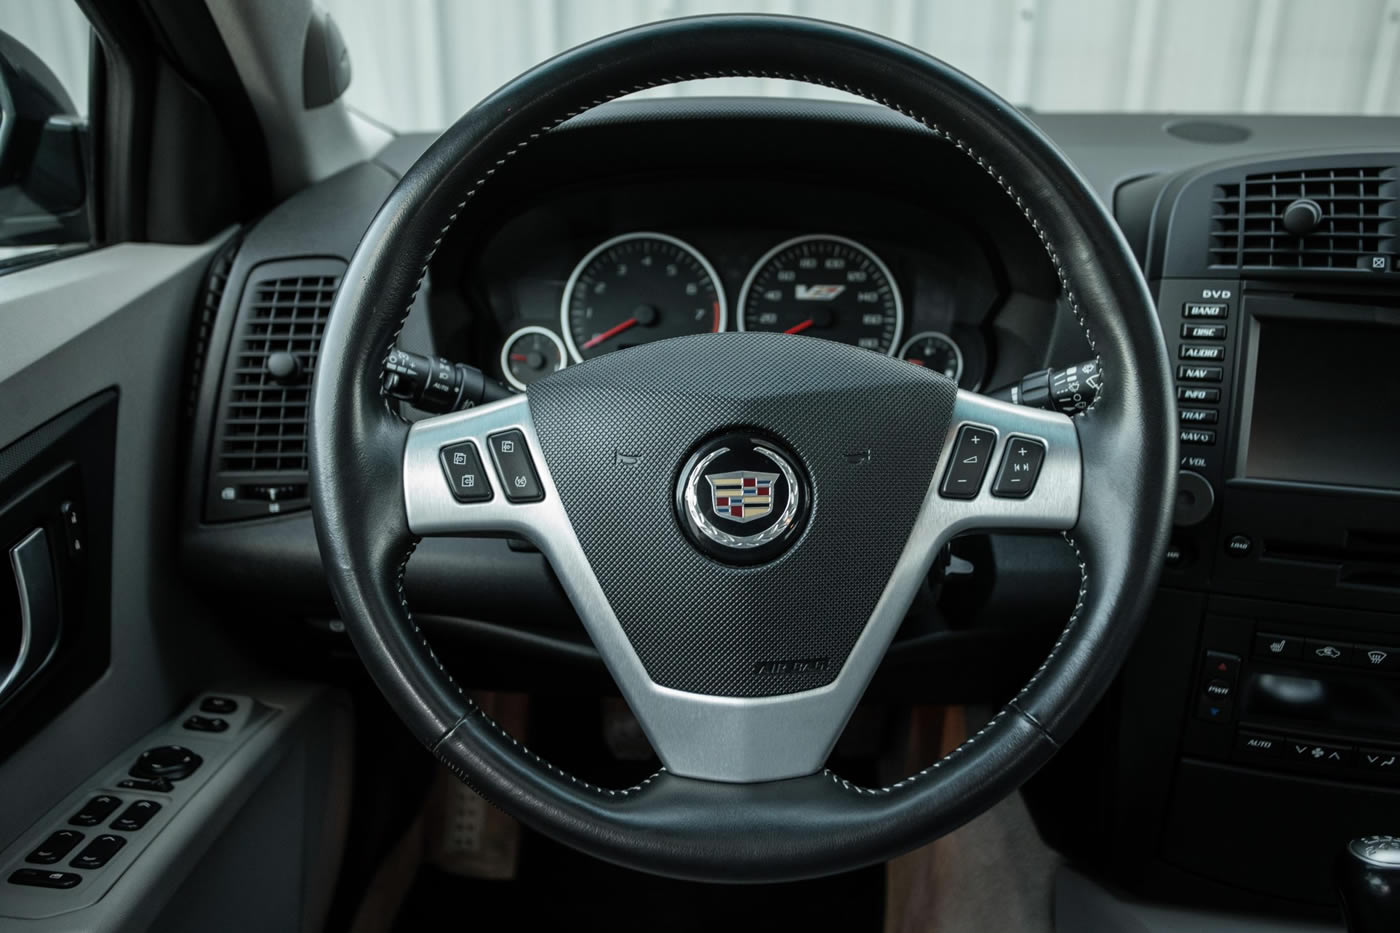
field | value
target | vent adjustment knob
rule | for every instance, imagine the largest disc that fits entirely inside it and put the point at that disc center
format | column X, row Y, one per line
column 284, row 368
column 1302, row 217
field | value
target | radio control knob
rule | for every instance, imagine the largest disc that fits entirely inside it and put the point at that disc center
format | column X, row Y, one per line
column 1195, row 497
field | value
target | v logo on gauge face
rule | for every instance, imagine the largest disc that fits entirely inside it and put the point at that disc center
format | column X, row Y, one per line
column 816, row 292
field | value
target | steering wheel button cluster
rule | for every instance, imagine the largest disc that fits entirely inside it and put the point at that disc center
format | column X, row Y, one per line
column 514, row 467
column 1020, row 468
column 971, row 454
column 466, row 477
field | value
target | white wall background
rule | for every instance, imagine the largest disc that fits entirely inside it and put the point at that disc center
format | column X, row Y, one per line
column 418, row 64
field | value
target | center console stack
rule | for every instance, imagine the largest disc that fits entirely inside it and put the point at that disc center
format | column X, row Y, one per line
column 1257, row 728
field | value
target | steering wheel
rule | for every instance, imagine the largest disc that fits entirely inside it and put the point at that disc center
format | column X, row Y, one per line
column 741, row 520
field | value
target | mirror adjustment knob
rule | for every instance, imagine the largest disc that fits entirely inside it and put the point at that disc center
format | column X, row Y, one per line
column 172, row 762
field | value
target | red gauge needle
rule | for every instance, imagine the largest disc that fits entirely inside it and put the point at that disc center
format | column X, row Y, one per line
column 610, row 333
column 519, row 357
column 799, row 328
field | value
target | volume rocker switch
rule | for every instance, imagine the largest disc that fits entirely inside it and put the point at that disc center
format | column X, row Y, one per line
column 968, row 466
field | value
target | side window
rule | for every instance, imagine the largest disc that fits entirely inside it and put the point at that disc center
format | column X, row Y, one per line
column 44, row 143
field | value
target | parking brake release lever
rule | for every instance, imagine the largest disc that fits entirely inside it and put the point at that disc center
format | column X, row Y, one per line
column 436, row 385
column 39, row 621
column 1067, row 390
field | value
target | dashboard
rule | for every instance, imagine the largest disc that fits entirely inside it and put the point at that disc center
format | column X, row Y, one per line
column 844, row 222
column 586, row 273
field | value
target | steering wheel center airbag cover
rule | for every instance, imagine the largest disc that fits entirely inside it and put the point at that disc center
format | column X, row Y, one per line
column 867, row 431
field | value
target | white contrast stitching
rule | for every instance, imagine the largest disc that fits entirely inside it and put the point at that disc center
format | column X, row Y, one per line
column 939, row 132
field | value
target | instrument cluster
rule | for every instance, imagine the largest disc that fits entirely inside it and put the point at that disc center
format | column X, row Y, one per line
column 645, row 285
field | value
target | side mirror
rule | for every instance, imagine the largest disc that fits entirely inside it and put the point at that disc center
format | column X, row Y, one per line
column 43, row 146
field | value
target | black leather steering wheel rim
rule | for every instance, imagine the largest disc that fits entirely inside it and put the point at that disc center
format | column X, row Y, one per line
column 805, row 826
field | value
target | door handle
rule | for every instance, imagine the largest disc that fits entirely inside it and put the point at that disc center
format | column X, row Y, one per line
column 39, row 620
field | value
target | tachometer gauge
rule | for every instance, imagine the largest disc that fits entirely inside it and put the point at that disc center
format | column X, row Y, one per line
column 935, row 351
column 824, row 286
column 637, row 288
column 530, row 354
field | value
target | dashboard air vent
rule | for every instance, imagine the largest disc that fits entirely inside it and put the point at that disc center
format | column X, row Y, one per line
column 1314, row 218
column 260, row 452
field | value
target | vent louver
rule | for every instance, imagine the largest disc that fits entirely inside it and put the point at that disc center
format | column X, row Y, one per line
column 1355, row 222
column 260, row 445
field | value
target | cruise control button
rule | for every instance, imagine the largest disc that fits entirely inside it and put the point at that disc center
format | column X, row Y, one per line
column 966, row 468
column 514, row 467
column 1197, row 394
column 461, row 464
column 1020, row 467
column 95, row 810
column 136, row 816
column 55, row 847
column 1200, row 373
column 35, row 878
column 98, row 852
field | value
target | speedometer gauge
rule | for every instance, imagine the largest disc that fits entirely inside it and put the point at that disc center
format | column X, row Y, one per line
column 824, row 286
column 637, row 288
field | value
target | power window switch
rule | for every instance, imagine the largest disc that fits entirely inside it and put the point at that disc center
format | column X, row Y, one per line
column 98, row 852
column 55, row 847
column 136, row 816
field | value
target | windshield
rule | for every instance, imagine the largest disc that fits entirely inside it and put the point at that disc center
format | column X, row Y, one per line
column 420, row 65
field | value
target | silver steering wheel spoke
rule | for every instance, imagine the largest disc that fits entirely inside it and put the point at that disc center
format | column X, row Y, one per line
column 738, row 739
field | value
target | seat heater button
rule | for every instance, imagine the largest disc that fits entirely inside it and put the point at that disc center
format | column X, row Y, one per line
column 1020, row 468
column 972, row 452
column 55, row 847
column 98, row 852
column 35, row 878
column 514, row 467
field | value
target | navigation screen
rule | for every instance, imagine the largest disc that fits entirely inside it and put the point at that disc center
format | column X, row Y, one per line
column 1326, row 403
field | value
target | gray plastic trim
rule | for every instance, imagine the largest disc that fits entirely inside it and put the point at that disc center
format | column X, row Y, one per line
column 129, row 891
column 730, row 738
